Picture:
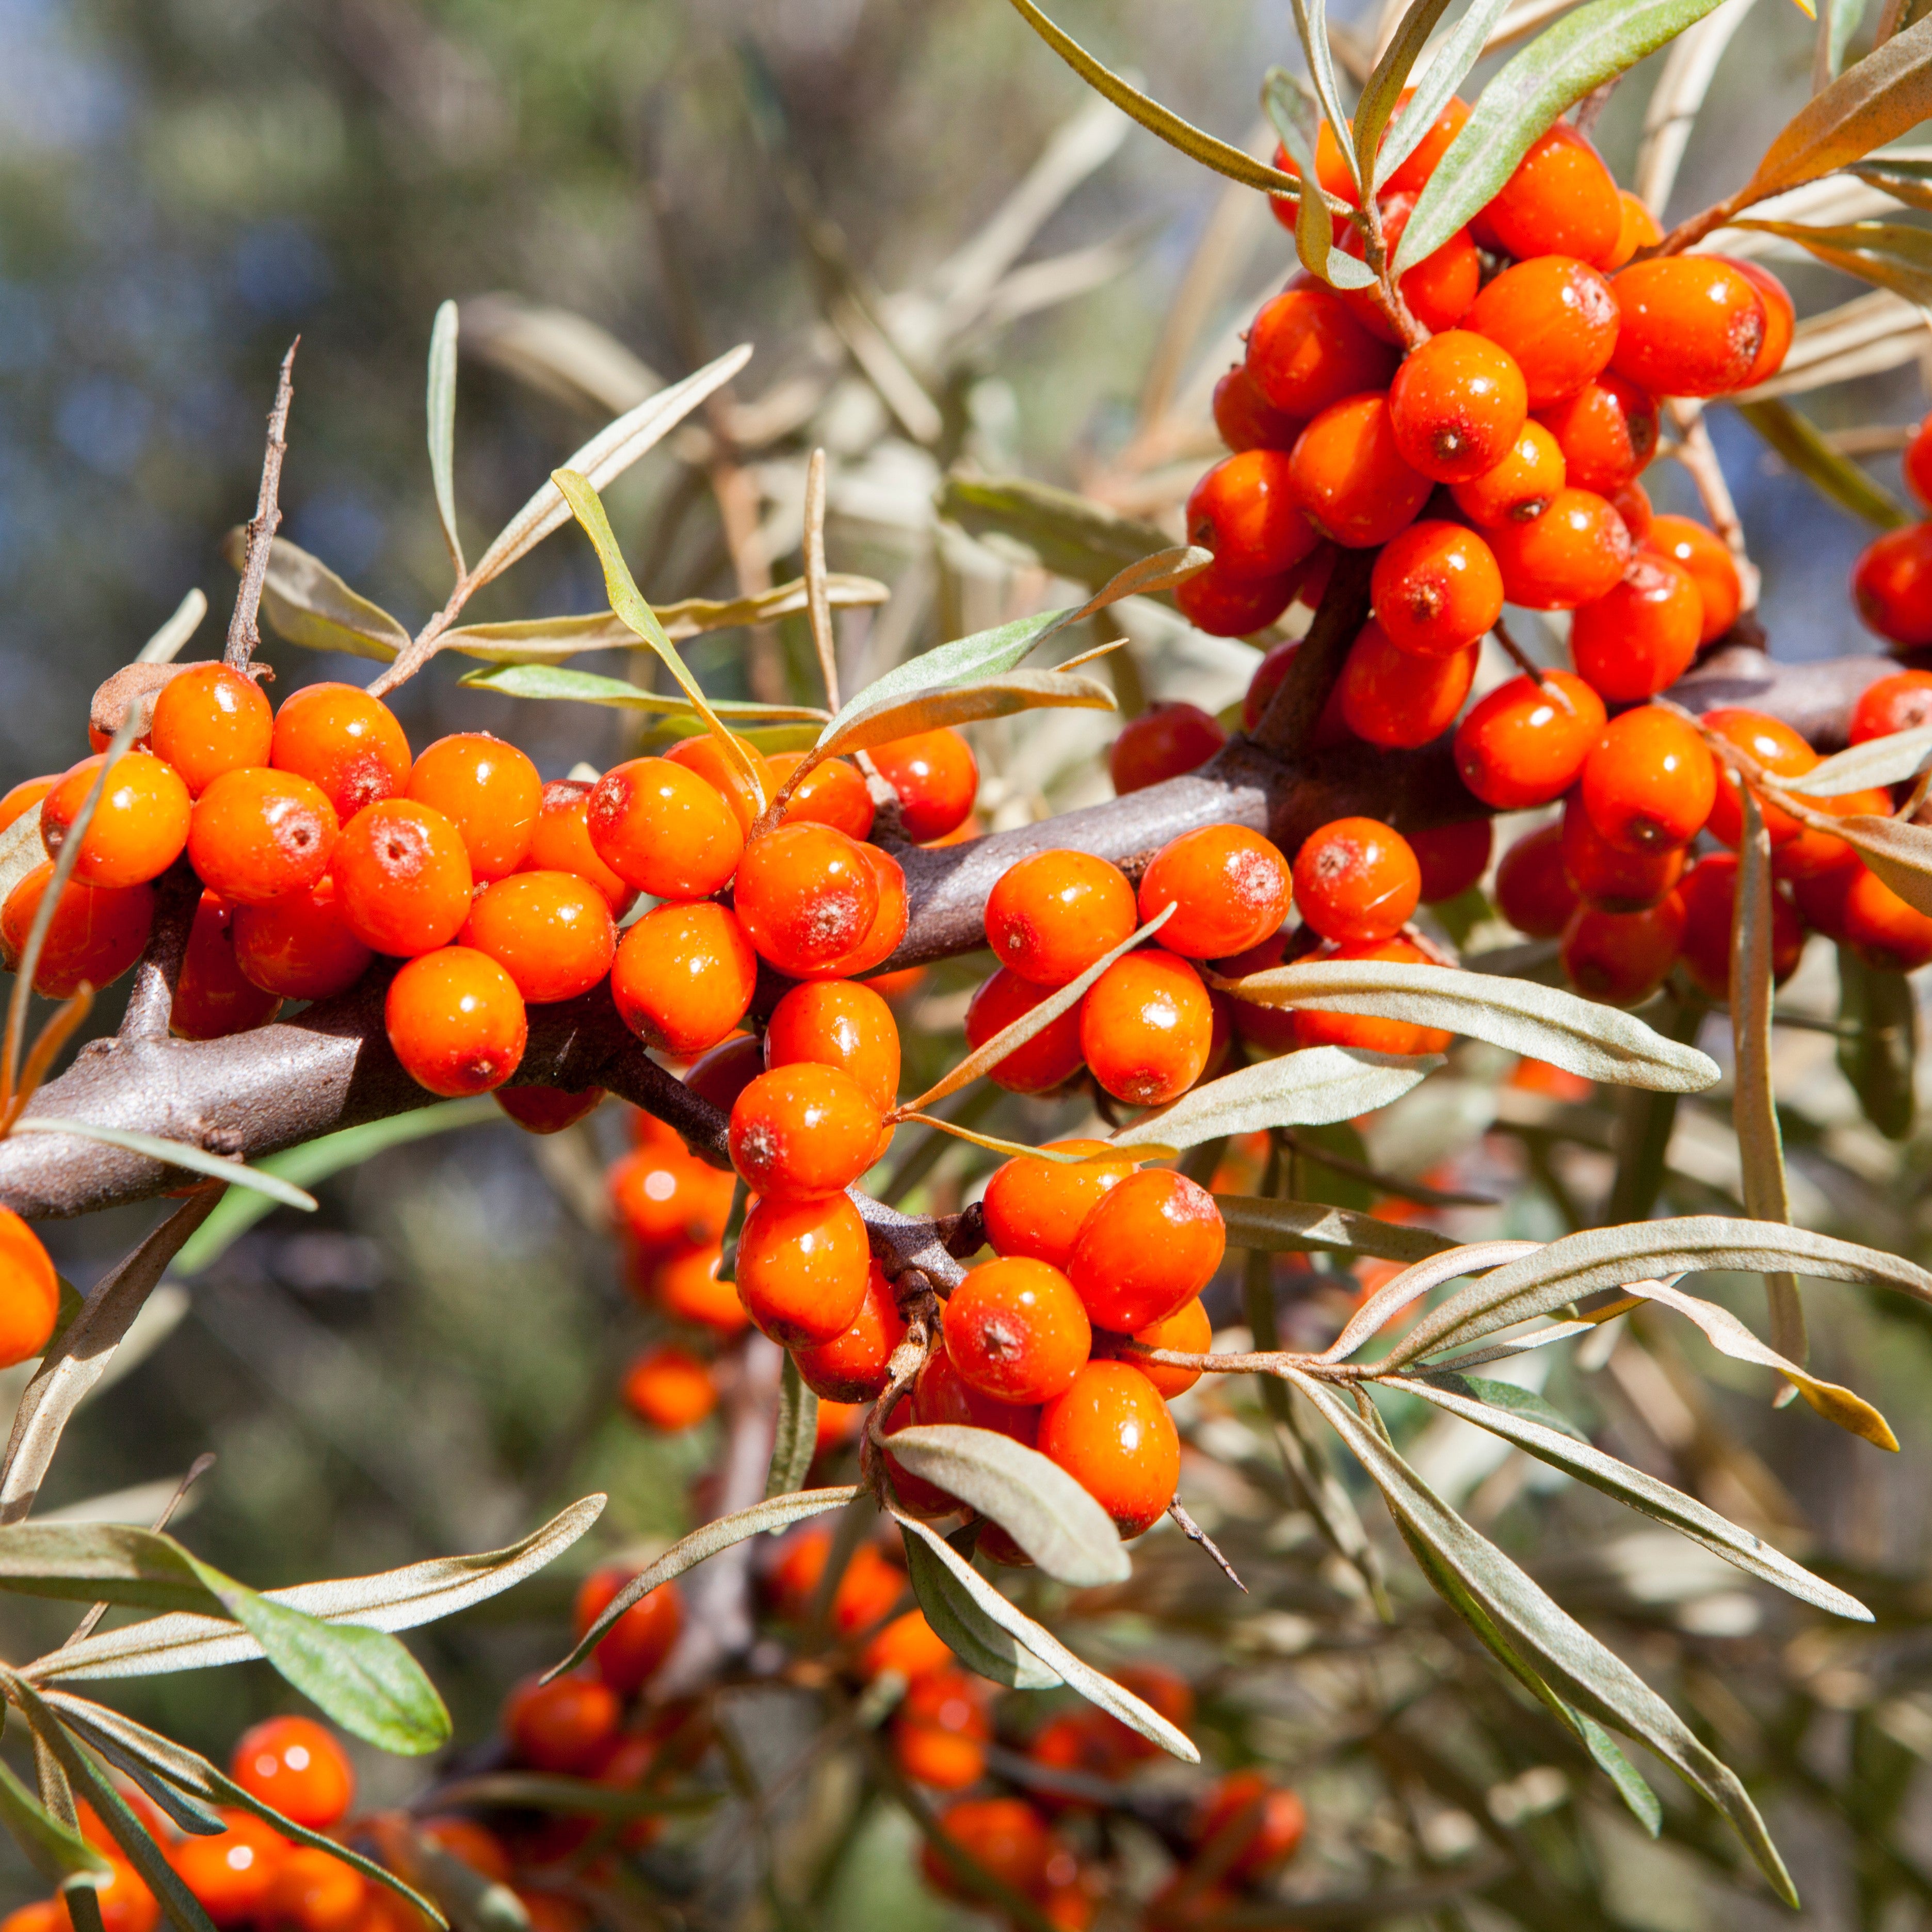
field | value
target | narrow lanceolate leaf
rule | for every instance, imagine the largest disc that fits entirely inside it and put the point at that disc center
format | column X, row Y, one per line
column 473, row 1902
column 795, row 1439
column 1566, row 1449
column 999, row 696
column 1413, row 1282
column 307, row 603
column 1831, row 474
column 1444, row 74
column 171, row 640
column 55, row 1852
column 1297, row 117
column 1581, row 1669
column 1599, row 1257
column 1878, row 1043
column 553, row 683
column 1893, row 254
column 1907, row 181
column 1878, row 761
column 1312, row 1088
column 1383, row 88
column 1311, row 24
column 605, row 457
column 1035, row 1501
column 1899, row 852
column 775, row 1513
column 442, row 411
column 1585, row 49
column 1727, row 1334
column 980, row 1644
column 175, row 1153
column 1519, row 1401
column 1254, row 1222
column 1542, row 1022
column 1074, row 1672
column 1073, row 536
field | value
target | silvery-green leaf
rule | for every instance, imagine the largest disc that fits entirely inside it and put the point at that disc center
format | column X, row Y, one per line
column 1311, row 24
column 1297, row 117
column 1518, row 1400
column 1000, row 697
column 1828, row 470
column 1420, row 1278
column 1440, row 80
column 553, row 682
column 795, row 1440
column 307, row 603
column 1073, row 536
column 1878, row 761
column 55, row 1852
column 1035, row 1501
column 1309, row 1089
column 171, row 640
column 1878, row 1043
column 1310, row 1227
column 442, row 413
column 980, row 1644
column 1899, row 852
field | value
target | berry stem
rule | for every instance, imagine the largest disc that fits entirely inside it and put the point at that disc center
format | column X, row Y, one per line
column 245, row 636
column 1527, row 665
column 150, row 1004
column 1698, row 455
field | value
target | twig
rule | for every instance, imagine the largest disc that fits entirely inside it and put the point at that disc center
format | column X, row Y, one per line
column 1699, row 456
column 244, row 638
column 1194, row 1533
column 1529, row 666
column 816, row 601
column 199, row 1468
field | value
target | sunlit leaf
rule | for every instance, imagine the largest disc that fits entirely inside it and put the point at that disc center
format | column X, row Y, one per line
column 169, row 642
column 442, row 413
column 1309, row 1089
column 1073, row 536
column 1307, row 1227
column 1000, row 697
column 1444, row 74
column 554, row 683
column 307, row 603
column 1878, row 761
column 980, row 1644
column 1421, row 1278
column 1297, row 117
column 1878, row 1043
column 795, row 1439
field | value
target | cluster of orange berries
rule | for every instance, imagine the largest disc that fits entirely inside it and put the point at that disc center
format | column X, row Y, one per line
column 1891, row 582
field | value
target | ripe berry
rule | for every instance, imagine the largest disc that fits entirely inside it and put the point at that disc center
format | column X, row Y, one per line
column 1437, row 291
column 664, row 1198
column 214, row 996
column 560, row 842
column 1452, row 858
column 805, row 894
column 801, row 1131
column 1035, row 1207
column 456, row 1021
column 1457, row 406
column 1112, row 1433
column 668, row 1389
column 1048, row 917
column 1775, row 746
column 1411, row 177
column 1561, row 200
column 1436, row 588
column 257, row 834
column 1233, row 606
column 1268, row 1820
column 489, row 790
column 683, row 976
column 1533, row 888
column 1611, row 878
column 1709, row 895
column 910, row 1647
column 1148, row 1245
column 295, row 1766
column 231, row 1874
column 27, row 794
column 1187, row 1331
column 29, row 1292
column 1015, row 1330
column 1638, row 229
column 853, row 1365
column 939, row 1739
column 1314, row 1027
column 1691, row 325
column 664, row 830
column 403, row 876
column 1049, row 1060
column 298, row 946
column 702, row 753
column 1146, row 1028
column 312, row 1890
column 1647, row 783
column 1392, row 697
column 937, row 778
column 1006, row 1836
column 1556, row 316
column 551, row 931
column 1891, row 584
column 1639, row 637
column 1244, row 510
column 96, row 934
column 1306, row 352
column 1900, row 702
column 1228, row 887
column 479, row 1848
column 686, row 1285
column 140, row 822
column 941, row 1395
column 1524, row 743
column 1855, row 907
column 802, row 1268
column 833, row 793
column 1917, row 463
column 1357, row 879
column 209, row 719
column 1575, row 552
column 1607, row 431
column 1521, row 487
column 345, row 741
column 1622, row 958
column 1632, row 503
column 547, row 1110
column 1245, row 419
column 1165, row 740
column 1350, row 475
column 836, row 1023
column 563, row 1726
column 888, row 927
column 1711, row 566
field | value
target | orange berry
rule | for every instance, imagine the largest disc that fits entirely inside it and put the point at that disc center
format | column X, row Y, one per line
column 1632, row 503
column 96, row 934
column 1457, row 406
column 936, row 777
column 1015, row 1330
column 1647, row 783
column 231, row 1874
column 140, row 822
column 26, row 795
column 1411, row 176
column 869, row 1590
column 1146, row 1028
column 215, row 996
column 1711, row 566
column 1270, row 1819
column 1389, row 696
column 1035, row 1207
column 1111, row 1432
column 803, row 1130
column 1357, row 879
column 1561, row 200
column 479, row 1848
column 257, row 834
column 1899, row 702
column 1436, row 588
column 402, row 876
column 1452, row 858
column 888, row 927
column 1533, row 888
column 664, row 1198
column 298, row 945
column 1005, row 1837
column 663, row 829
column 838, row 1424
column 1164, row 741
column 560, row 842
column 1437, row 291
column 683, row 977
column 833, row 794
column 1637, row 228
column 838, row 1024
column 1350, row 475
column 1691, row 325
column 552, row 1912
column 547, row 1110
column 1246, row 419
column 805, row 895
column 1611, row 878
column 1187, row 1331
column 1524, row 743
column 489, row 790
column 1147, row 1248
column 1557, row 316
column 209, row 719
column 668, row 1388
column 1622, row 958
column 940, row 1733
column 722, row 1072
column 1050, row 916
column 1049, row 1060
column 564, row 1725
column 1228, row 887
column 312, row 1890
column 1244, row 510
column 1917, row 464
column 704, row 755
column 123, row 1901
column 1521, row 487
column 552, row 932
column 1812, row 851
column 1315, row 1028
column 803, row 1267
column 1854, row 907
column 1891, row 585
column 852, row 1367
column 29, row 1292
column 1607, row 431
column 1639, row 637
column 1331, row 171
column 1225, row 606
column 345, row 741
column 39, row 1915
column 1577, row 550
column 1709, row 895
column 1774, row 746
column 908, row 1645
column 456, row 1021
column 296, row 1765
column 686, row 1285
column 1306, row 351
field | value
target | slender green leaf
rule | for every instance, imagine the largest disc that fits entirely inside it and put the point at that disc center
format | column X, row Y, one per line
column 553, row 683
column 55, row 1852
column 472, row 1901
column 442, row 411
column 307, row 603
column 1311, row 26
column 795, row 1442
column 1517, row 1400
column 1832, row 474
column 1383, row 88
column 1420, row 1278
column 980, row 1644
column 1893, row 254
column 1311, row 1227
column 1311, row 1088
column 1297, row 118
column 1000, row 697
column 1444, row 73
column 1878, row 1043
column 175, row 1153
column 1847, row 16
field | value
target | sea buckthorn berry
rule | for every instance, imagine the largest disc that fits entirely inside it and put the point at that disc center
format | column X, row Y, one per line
column 1452, row 858
column 97, row 932
column 1607, row 431
column 1647, row 783
column 1225, row 606
column 1035, row 1207
column 908, row 1646
column 1622, row 958
column 666, row 1199
column 1148, row 1245
column 888, row 927
column 668, row 1389
column 1146, row 1028
column 852, row 1367
column 1269, row 1819
column 837, row 1023
column 1436, row 588
column 805, row 894
column 1521, row 487
column 1050, row 916
column 1712, row 569
column 551, row 931
column 343, row 739
column 704, row 755
column 937, row 778
column 1612, row 879
column 139, row 825
column 298, row 945
column 1228, row 887
column 1457, row 406
column 940, row 1395
column 563, row 1726
column 1632, row 503
column 257, row 835
column 489, row 790
column 403, row 876
column 1244, row 510
column 28, row 794
column 1855, row 907
column 1411, row 176
column 1561, row 200
column 1639, row 637
column 1357, row 879
column 29, row 1292
column 478, row 1847
column 939, row 1740
column 1390, row 697
column 1015, row 1330
column 1576, row 551
column 1533, row 888
column 832, row 793
column 313, row 1891
column 1049, row 1060
column 560, row 842
column 1556, row 316
column 295, row 1766
column 1708, row 892
column 1315, row 1028
column 1524, row 744
column 1165, row 741
column 456, row 1021
column 209, row 719
column 1187, row 1331
column 547, row 1110
column 1267, row 681
column 1637, row 228
column 214, row 996
column 1350, row 476
column 803, row 1267
column 1774, row 746
column 686, row 1285
column 1437, row 291
column 1332, row 171
column 230, row 1874
column 1006, row 1836
column 1900, row 702
column 1307, row 351
column 803, row 1130
column 1813, row 851
column 1891, row 585
column 1692, row 324
column 1917, row 464
column 664, row 830
column 1246, row 419
column 1112, row 1433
